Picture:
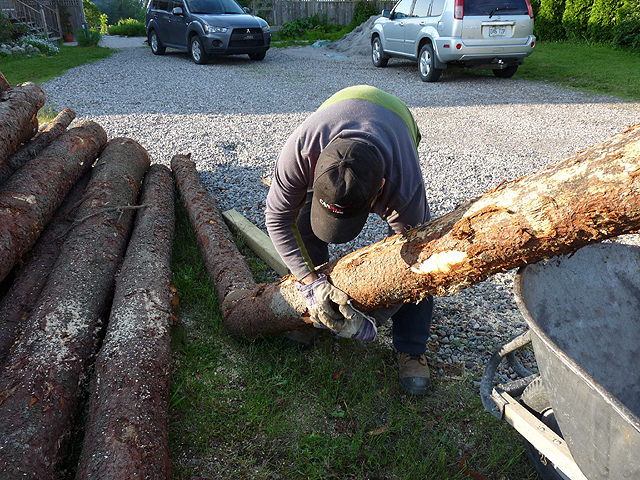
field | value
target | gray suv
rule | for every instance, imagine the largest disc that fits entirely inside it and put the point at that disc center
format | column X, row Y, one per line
column 484, row 34
column 206, row 27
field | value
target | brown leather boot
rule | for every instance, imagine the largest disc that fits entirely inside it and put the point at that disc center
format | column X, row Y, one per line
column 413, row 373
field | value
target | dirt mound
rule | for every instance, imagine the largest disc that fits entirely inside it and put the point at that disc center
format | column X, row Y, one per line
column 358, row 42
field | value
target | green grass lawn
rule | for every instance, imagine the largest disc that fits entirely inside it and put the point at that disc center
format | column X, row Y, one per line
column 599, row 69
column 41, row 69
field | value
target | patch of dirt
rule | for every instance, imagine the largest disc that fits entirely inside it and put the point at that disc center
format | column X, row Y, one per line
column 358, row 42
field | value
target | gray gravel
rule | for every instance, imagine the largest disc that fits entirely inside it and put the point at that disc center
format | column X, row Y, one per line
column 235, row 114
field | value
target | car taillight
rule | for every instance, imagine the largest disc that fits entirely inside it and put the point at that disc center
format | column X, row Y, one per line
column 530, row 9
column 458, row 9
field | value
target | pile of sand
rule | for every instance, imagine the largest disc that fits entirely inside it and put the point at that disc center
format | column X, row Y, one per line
column 358, row 42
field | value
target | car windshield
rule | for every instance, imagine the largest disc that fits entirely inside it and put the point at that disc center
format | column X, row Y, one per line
column 216, row 7
column 495, row 7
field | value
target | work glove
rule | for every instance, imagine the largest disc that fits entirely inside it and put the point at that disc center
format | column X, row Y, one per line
column 319, row 294
column 356, row 324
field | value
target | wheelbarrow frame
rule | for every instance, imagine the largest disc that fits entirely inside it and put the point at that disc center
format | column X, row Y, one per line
column 500, row 402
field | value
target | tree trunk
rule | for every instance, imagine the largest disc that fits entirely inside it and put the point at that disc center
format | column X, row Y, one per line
column 4, row 85
column 32, row 275
column 226, row 267
column 29, row 198
column 39, row 142
column 18, row 116
column 126, row 435
column 587, row 198
column 40, row 383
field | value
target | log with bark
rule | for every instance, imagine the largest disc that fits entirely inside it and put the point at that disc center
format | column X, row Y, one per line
column 19, row 107
column 225, row 265
column 32, row 275
column 587, row 198
column 127, row 430
column 29, row 198
column 40, row 382
column 39, row 142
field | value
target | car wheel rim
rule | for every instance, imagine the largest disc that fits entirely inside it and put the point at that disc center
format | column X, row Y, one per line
column 154, row 43
column 195, row 50
column 376, row 52
column 425, row 63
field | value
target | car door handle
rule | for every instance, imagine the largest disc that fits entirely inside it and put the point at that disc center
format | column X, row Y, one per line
column 422, row 24
column 401, row 24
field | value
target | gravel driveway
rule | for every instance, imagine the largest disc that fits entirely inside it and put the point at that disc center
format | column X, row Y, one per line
column 235, row 114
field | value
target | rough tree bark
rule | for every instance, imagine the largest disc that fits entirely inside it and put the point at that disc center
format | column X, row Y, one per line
column 4, row 85
column 32, row 275
column 584, row 199
column 126, row 435
column 29, row 198
column 40, row 382
column 18, row 116
column 225, row 265
column 39, row 142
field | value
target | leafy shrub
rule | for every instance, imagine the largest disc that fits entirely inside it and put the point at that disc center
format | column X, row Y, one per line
column 30, row 46
column 576, row 18
column 91, row 13
column 9, row 31
column 627, row 30
column 603, row 19
column 548, row 21
column 89, row 38
column 300, row 26
column 362, row 12
column 128, row 28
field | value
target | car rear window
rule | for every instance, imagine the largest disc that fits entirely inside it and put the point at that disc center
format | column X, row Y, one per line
column 495, row 7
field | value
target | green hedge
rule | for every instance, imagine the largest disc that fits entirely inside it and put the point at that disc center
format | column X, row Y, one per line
column 602, row 21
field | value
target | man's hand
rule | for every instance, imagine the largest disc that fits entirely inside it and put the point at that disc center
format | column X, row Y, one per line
column 319, row 294
column 347, row 322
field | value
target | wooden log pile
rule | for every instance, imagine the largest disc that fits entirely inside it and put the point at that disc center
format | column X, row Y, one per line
column 86, row 236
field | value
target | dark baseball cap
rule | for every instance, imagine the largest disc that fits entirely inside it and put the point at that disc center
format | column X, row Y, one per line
column 347, row 179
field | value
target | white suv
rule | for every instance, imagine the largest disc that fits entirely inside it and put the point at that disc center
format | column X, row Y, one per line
column 495, row 34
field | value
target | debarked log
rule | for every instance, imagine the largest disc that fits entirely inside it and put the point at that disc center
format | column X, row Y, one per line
column 19, row 107
column 32, row 274
column 40, row 381
column 39, row 142
column 29, row 198
column 225, row 265
column 126, row 435
column 587, row 198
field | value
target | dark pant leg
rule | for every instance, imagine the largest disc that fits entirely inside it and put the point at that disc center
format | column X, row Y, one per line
column 317, row 249
column 412, row 327
column 412, row 323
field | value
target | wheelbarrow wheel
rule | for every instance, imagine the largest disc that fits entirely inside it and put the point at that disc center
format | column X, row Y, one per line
column 536, row 400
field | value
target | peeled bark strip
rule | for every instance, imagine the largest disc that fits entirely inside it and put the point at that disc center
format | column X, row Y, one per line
column 584, row 199
column 37, row 144
column 29, row 198
column 19, row 116
column 127, row 432
column 227, row 268
column 40, row 382
column 32, row 275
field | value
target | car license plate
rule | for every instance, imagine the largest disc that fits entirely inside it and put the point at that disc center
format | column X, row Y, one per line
column 497, row 31
column 248, row 37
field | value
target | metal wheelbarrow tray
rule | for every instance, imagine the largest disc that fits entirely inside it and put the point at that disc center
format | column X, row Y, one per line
column 583, row 313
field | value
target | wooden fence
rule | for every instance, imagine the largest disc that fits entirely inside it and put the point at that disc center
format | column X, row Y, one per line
column 279, row 12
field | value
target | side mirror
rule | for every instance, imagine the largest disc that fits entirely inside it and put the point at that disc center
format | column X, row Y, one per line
column 246, row 9
column 386, row 13
column 177, row 11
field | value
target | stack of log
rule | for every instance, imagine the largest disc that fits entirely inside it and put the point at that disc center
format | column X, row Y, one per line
column 85, row 272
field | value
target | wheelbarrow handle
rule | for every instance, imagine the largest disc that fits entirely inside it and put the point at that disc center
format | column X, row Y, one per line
column 516, row 387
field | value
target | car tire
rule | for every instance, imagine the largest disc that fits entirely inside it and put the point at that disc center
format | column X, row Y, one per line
column 378, row 56
column 428, row 73
column 506, row 72
column 156, row 45
column 257, row 56
column 196, row 50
